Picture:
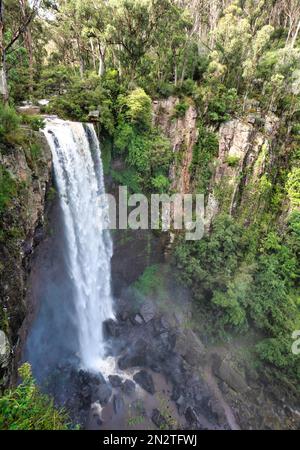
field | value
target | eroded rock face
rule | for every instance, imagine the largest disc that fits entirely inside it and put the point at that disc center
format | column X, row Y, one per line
column 183, row 134
column 245, row 150
column 22, row 225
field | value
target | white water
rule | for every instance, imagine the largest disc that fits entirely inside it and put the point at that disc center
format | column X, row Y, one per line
column 79, row 178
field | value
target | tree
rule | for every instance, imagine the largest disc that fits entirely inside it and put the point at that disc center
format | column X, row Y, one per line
column 8, row 38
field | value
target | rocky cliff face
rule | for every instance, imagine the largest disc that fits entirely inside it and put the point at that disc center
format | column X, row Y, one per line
column 241, row 171
column 246, row 152
column 183, row 133
column 28, row 167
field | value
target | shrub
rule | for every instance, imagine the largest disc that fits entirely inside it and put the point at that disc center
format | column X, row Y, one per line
column 165, row 89
column 138, row 108
column 232, row 161
column 36, row 123
column 160, row 183
column 293, row 186
column 9, row 122
column 180, row 109
column 8, row 188
column 188, row 87
column 26, row 408
column 221, row 103
column 204, row 151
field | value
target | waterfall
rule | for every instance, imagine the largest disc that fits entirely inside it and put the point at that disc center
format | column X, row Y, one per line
column 79, row 180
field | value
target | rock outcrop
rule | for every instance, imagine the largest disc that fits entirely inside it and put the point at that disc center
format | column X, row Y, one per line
column 183, row 134
column 245, row 152
column 28, row 167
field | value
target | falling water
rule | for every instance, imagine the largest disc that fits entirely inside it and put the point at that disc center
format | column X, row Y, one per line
column 79, row 179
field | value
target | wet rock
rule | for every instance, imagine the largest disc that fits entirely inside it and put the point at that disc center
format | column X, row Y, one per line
column 191, row 415
column 137, row 320
column 176, row 391
column 94, row 115
column 173, row 368
column 155, row 367
column 27, row 248
column 223, row 370
column 189, row 346
column 128, row 387
column 38, row 235
column 147, row 311
column 104, row 393
column 145, row 380
column 4, row 351
column 136, row 356
column 86, row 378
column 29, row 109
column 118, row 403
column 115, row 381
column 111, row 329
column 86, row 396
column 159, row 420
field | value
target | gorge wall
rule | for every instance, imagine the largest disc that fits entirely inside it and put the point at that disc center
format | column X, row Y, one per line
column 248, row 151
column 26, row 169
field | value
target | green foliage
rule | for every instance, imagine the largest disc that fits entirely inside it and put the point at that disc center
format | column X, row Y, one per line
column 152, row 284
column 180, row 109
column 205, row 150
column 35, row 151
column 244, row 284
column 232, row 161
column 164, row 89
column 209, row 264
column 221, row 103
column 127, row 177
column 145, row 149
column 8, row 189
column 54, row 80
column 87, row 95
column 9, row 123
column 26, row 408
column 36, row 123
column 293, row 186
column 160, row 183
column 138, row 108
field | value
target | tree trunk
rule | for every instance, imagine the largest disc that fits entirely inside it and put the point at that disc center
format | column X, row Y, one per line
column 93, row 53
column 295, row 35
column 3, row 71
column 28, row 45
column 102, row 51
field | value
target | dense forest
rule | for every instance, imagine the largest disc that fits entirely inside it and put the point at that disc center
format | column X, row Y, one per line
column 230, row 61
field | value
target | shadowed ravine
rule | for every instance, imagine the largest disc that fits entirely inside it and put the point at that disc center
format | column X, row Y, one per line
column 113, row 363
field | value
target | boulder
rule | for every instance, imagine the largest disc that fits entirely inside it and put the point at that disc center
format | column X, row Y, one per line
column 137, row 320
column 191, row 415
column 118, row 403
column 94, row 115
column 136, row 356
column 30, row 110
column 128, row 387
column 147, row 311
column 159, row 420
column 145, row 380
column 189, row 346
column 115, row 381
column 111, row 329
column 4, row 350
column 223, row 370
column 104, row 393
